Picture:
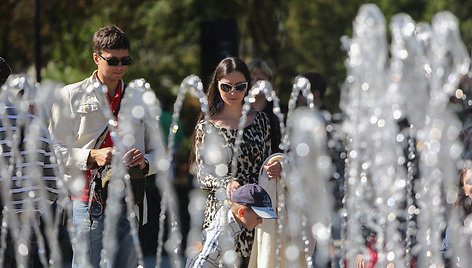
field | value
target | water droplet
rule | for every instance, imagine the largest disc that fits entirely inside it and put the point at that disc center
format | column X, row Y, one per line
column 128, row 140
column 451, row 196
column 400, row 137
column 77, row 184
column 401, row 160
column 230, row 257
column 23, row 249
column 138, row 112
column 435, row 134
column 431, row 159
column 292, row 253
column 163, row 164
column 149, row 98
column 403, row 54
column 401, row 183
column 381, row 123
column 397, row 114
column 175, row 128
column 221, row 194
column 221, row 170
column 456, row 150
column 212, row 156
column 353, row 154
column 373, row 119
column 303, row 149
column 379, row 200
column 321, row 232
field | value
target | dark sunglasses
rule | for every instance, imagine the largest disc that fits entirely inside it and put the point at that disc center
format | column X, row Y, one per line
column 115, row 61
column 226, row 87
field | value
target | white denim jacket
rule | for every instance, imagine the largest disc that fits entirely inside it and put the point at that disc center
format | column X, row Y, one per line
column 78, row 122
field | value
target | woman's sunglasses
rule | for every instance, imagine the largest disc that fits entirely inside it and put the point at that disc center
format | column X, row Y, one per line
column 226, row 87
column 115, row 61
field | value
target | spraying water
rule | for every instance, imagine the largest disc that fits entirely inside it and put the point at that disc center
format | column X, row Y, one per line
column 402, row 156
column 414, row 85
column 28, row 191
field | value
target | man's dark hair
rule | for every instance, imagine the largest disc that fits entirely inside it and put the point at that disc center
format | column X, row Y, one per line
column 110, row 37
column 5, row 71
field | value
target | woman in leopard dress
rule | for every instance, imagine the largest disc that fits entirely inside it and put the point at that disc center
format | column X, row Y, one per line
column 229, row 85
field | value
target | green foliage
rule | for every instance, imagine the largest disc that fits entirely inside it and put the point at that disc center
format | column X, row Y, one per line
column 294, row 36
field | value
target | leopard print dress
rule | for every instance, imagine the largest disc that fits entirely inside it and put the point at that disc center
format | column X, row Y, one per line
column 254, row 149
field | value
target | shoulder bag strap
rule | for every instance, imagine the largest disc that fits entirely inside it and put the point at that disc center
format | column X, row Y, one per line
column 115, row 113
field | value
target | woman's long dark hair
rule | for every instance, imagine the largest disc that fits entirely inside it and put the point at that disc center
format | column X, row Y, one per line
column 463, row 201
column 215, row 102
column 225, row 67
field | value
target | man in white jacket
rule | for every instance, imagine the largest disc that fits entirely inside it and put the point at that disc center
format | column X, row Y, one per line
column 80, row 127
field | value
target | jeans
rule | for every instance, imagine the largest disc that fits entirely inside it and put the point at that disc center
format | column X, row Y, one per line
column 89, row 238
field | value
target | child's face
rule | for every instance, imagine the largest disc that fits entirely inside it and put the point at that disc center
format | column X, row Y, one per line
column 250, row 219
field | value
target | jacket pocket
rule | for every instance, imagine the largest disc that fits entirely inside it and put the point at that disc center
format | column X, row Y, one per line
column 90, row 119
column 85, row 108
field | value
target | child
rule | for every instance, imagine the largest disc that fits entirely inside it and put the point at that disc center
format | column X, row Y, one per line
column 250, row 204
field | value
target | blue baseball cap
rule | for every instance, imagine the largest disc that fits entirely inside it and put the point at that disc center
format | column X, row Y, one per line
column 257, row 198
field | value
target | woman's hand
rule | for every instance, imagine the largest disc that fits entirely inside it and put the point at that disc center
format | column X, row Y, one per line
column 232, row 186
column 274, row 169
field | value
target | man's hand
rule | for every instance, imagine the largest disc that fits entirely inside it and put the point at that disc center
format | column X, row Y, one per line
column 360, row 261
column 134, row 157
column 100, row 157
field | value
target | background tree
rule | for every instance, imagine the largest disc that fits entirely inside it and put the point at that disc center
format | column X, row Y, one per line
column 292, row 36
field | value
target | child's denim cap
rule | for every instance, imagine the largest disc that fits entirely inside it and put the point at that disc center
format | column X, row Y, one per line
column 257, row 198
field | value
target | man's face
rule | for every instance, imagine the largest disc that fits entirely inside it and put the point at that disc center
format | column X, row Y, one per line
column 105, row 70
column 251, row 219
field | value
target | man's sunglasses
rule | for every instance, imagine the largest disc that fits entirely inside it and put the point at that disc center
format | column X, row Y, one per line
column 226, row 87
column 115, row 61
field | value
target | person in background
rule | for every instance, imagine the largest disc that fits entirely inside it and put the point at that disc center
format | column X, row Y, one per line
column 30, row 199
column 229, row 85
column 86, row 125
column 318, row 88
column 260, row 70
column 5, row 71
column 463, row 206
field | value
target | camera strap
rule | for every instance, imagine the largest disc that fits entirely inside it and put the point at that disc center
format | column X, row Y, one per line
column 95, row 181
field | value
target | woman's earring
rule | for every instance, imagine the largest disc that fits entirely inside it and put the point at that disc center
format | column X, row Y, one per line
column 219, row 105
